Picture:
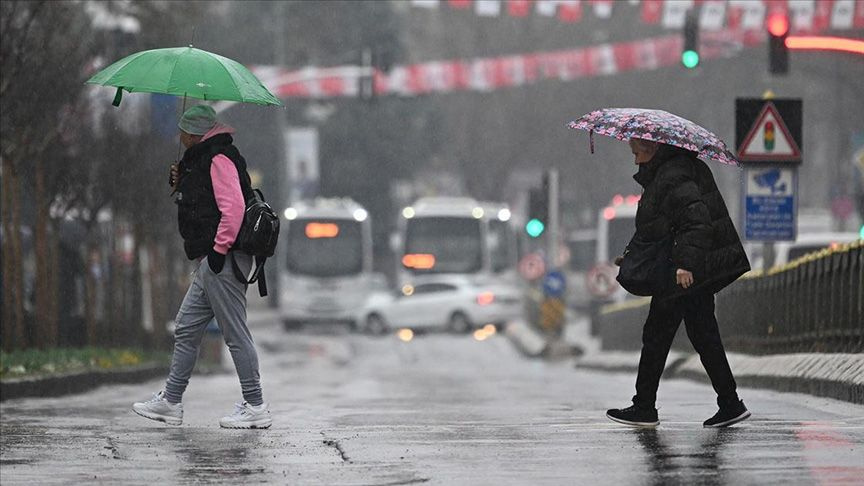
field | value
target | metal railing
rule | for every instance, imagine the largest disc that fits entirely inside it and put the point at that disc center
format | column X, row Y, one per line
column 812, row 304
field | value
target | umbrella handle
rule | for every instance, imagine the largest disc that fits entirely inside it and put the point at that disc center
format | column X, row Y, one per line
column 118, row 96
column 591, row 140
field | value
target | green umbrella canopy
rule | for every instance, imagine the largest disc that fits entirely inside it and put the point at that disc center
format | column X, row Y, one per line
column 184, row 71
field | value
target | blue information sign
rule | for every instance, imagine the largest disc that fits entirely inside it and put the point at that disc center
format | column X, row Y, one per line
column 769, row 203
column 554, row 284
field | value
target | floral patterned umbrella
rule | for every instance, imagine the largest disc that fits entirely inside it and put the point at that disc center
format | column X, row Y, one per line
column 655, row 125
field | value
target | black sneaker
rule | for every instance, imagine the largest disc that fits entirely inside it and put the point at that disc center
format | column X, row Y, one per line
column 633, row 415
column 728, row 416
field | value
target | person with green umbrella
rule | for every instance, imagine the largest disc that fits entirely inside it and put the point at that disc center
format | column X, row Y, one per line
column 211, row 186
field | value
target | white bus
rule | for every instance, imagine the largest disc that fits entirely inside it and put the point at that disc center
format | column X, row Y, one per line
column 501, row 238
column 326, row 263
column 460, row 236
column 616, row 224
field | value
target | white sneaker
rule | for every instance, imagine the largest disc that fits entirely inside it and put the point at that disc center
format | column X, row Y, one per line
column 246, row 416
column 160, row 409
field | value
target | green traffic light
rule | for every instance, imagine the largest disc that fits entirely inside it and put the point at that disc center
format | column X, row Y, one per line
column 861, row 232
column 535, row 228
column 690, row 59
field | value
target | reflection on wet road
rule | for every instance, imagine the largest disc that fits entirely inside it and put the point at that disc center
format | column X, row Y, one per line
column 439, row 409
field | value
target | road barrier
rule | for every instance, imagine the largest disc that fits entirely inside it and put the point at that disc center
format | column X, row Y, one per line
column 813, row 304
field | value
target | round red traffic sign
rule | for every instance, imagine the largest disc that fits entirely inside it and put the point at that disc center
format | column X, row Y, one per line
column 532, row 266
column 601, row 280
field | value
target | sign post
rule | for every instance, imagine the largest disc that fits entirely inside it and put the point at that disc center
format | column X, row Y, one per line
column 768, row 135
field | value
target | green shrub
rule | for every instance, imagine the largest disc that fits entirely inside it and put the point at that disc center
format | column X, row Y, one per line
column 35, row 362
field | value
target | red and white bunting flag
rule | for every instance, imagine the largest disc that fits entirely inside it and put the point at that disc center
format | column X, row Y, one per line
column 488, row 74
column 652, row 11
column 752, row 14
column 480, row 75
column 547, row 8
column 575, row 64
column 603, row 60
column 570, row 11
column 530, row 68
column 333, row 86
column 602, row 8
column 487, row 8
column 675, row 12
column 397, row 81
column 801, row 15
column 822, row 15
column 646, row 55
column 843, row 14
column 460, row 4
column 430, row 4
column 518, row 8
column 513, row 70
column 626, row 56
column 712, row 15
column 858, row 20
column 734, row 13
column 434, row 77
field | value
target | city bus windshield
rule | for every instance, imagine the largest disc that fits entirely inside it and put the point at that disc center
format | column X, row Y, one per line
column 501, row 246
column 453, row 242
column 324, row 247
column 621, row 230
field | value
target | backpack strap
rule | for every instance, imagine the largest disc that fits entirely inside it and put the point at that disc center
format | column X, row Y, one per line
column 257, row 276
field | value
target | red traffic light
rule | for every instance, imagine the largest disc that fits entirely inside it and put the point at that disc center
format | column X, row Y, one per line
column 778, row 25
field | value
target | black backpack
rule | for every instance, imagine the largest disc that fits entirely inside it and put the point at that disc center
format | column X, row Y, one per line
column 258, row 237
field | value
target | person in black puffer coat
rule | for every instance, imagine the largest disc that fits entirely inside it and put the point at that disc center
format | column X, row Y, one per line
column 681, row 199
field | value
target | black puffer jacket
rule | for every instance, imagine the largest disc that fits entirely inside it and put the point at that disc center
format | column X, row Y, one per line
column 680, row 197
column 198, row 215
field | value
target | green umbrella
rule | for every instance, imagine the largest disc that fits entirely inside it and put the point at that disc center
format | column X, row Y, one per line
column 184, row 71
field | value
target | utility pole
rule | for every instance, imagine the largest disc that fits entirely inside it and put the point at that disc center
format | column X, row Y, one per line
column 282, row 175
column 554, row 217
column 366, row 78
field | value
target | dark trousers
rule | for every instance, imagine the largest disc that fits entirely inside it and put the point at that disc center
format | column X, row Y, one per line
column 664, row 317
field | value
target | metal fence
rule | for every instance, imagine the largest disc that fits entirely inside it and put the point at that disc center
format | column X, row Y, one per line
column 813, row 304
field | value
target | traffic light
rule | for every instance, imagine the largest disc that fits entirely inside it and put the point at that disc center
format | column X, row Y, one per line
column 690, row 53
column 778, row 54
column 538, row 209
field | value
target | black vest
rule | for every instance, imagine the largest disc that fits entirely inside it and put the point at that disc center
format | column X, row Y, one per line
column 198, row 215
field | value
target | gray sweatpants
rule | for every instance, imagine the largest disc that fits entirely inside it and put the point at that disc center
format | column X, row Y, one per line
column 224, row 297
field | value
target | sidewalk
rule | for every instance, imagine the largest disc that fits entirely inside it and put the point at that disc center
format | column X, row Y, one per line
column 259, row 315
column 834, row 375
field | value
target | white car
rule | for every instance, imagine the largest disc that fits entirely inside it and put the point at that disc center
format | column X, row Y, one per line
column 786, row 251
column 454, row 303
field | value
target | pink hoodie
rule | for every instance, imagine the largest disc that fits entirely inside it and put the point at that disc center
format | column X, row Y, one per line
column 229, row 196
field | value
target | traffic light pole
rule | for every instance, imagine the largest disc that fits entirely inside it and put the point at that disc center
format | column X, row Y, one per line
column 554, row 226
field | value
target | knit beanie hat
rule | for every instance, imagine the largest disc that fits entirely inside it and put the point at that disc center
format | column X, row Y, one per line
column 198, row 120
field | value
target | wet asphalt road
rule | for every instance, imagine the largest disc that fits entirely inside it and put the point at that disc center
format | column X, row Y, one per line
column 352, row 410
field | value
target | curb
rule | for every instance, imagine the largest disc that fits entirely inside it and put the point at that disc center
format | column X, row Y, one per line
column 825, row 375
column 526, row 341
column 848, row 392
column 65, row 384
column 533, row 344
column 832, row 375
